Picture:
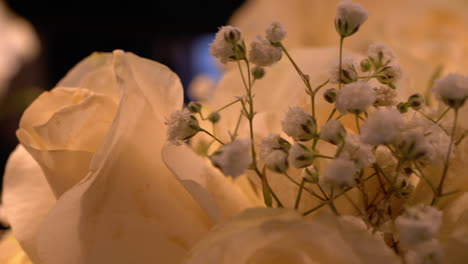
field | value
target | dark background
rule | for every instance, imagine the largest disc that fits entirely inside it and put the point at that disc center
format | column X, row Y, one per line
column 164, row 31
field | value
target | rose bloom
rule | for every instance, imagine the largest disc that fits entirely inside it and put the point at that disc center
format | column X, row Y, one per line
column 88, row 183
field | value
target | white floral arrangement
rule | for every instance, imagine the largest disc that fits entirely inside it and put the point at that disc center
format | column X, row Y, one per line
column 301, row 156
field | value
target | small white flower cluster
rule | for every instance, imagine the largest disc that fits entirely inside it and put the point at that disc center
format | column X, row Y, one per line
column 417, row 229
column 274, row 152
column 233, row 158
column 263, row 53
column 423, row 140
column 275, row 33
column 349, row 18
column 266, row 52
column 348, row 71
column 382, row 127
column 340, row 173
column 357, row 151
column 380, row 54
column 418, row 224
column 355, row 98
column 452, row 90
column 300, row 156
column 228, row 44
column 182, row 125
column 385, row 96
column 333, row 131
column 298, row 124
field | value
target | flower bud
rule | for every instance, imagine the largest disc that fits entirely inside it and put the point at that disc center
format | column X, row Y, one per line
column 349, row 17
column 402, row 107
column 366, row 65
column 275, row 33
column 348, row 75
column 182, row 125
column 310, row 174
column 214, row 117
column 284, row 145
column 258, row 72
column 232, row 35
column 416, row 101
column 340, row 173
column 452, row 90
column 413, row 145
column 239, row 52
column 389, row 74
column 194, row 107
column 233, row 158
column 300, row 156
column 333, row 132
column 273, row 151
column 299, row 125
column 330, row 95
column 277, row 161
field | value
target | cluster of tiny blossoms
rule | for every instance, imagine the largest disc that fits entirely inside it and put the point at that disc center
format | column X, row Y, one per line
column 392, row 141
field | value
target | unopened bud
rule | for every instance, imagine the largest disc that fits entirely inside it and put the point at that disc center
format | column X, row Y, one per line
column 284, row 144
column 366, row 65
column 330, row 95
column 258, row 72
column 214, row 117
column 300, row 156
column 194, row 107
column 413, row 146
column 416, row 101
column 232, row 36
column 402, row 107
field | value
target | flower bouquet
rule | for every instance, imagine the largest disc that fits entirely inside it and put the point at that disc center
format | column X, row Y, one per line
column 319, row 155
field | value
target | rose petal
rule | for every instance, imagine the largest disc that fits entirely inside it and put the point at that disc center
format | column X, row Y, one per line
column 27, row 198
column 267, row 235
column 220, row 196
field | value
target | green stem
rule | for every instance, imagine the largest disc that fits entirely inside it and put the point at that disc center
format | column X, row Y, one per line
column 226, row 106
column 325, row 203
column 302, row 187
column 298, row 70
column 447, row 159
column 340, row 62
column 443, row 114
column 234, row 135
column 357, row 124
column 331, row 114
column 211, row 135
column 299, row 194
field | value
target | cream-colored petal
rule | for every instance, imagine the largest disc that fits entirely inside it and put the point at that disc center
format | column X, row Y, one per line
column 27, row 198
column 11, row 252
column 130, row 208
column 283, row 236
column 158, row 84
column 62, row 168
column 78, row 127
column 219, row 195
column 95, row 72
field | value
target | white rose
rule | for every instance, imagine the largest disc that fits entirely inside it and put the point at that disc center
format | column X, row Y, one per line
column 88, row 183
column 265, row 235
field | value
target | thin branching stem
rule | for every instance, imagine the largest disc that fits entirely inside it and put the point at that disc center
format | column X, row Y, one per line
column 440, row 186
